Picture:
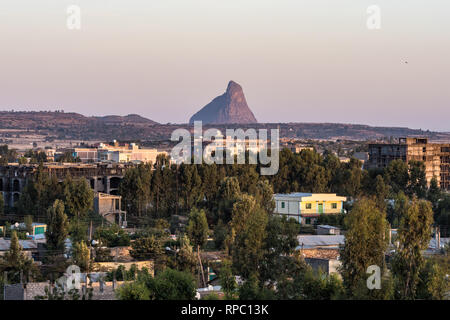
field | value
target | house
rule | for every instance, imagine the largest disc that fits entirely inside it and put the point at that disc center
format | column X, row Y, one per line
column 320, row 241
column 326, row 229
column 109, row 207
column 321, row 251
column 38, row 228
column 329, row 266
column 38, row 232
column 307, row 207
column 30, row 247
column 101, row 290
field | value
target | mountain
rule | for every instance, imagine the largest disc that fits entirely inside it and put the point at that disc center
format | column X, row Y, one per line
column 131, row 119
column 231, row 107
column 59, row 119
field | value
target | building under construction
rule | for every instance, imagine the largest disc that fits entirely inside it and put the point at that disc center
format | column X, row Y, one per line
column 435, row 156
column 102, row 177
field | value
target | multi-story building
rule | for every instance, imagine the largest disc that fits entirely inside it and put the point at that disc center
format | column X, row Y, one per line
column 102, row 177
column 115, row 153
column 307, row 207
column 127, row 153
column 109, row 207
column 435, row 156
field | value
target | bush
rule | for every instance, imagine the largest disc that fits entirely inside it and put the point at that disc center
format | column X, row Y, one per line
column 112, row 236
column 146, row 248
column 168, row 285
column 133, row 291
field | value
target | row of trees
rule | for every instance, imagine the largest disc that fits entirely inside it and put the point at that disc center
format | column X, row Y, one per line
column 41, row 192
column 171, row 189
column 407, row 275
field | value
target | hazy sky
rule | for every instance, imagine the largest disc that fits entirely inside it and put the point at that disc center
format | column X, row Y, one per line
column 299, row 61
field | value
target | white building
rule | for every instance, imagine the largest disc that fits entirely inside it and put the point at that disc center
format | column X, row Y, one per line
column 307, row 207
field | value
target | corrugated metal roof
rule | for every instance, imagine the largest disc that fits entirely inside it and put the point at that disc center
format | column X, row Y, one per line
column 442, row 243
column 312, row 241
column 294, row 195
column 26, row 244
column 326, row 226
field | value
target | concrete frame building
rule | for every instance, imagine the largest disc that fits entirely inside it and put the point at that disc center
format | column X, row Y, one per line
column 104, row 178
column 109, row 206
column 435, row 156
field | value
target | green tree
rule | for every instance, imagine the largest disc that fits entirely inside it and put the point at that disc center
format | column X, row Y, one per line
column 29, row 224
column 185, row 258
column 311, row 285
column 135, row 189
column 133, row 291
column 22, row 160
column 39, row 193
column 2, row 204
column 397, row 175
column 227, row 279
column 57, row 228
column 401, row 202
column 434, row 193
column 78, row 230
column 168, row 285
column 112, row 236
column 81, row 255
column 229, row 193
column 15, row 263
column 352, row 177
column 279, row 246
column 147, row 248
column 264, row 195
column 248, row 231
column 220, row 234
column 197, row 231
column 365, row 242
column 78, row 197
column 432, row 282
column 417, row 179
column 191, row 186
column 413, row 236
column 381, row 192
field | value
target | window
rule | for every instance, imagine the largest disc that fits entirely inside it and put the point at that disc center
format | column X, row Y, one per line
column 307, row 220
column 308, row 206
column 334, row 205
column 282, row 205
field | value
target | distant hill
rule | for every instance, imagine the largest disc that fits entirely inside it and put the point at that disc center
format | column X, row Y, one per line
column 47, row 119
column 131, row 118
column 62, row 125
column 231, row 107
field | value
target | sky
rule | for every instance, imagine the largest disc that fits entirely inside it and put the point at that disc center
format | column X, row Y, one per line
column 297, row 60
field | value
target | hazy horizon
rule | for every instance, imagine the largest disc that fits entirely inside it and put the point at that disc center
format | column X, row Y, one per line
column 297, row 61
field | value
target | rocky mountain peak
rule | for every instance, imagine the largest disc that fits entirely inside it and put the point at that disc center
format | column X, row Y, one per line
column 231, row 107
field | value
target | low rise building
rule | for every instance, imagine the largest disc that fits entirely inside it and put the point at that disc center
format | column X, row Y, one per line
column 321, row 252
column 109, row 207
column 307, row 207
column 326, row 229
